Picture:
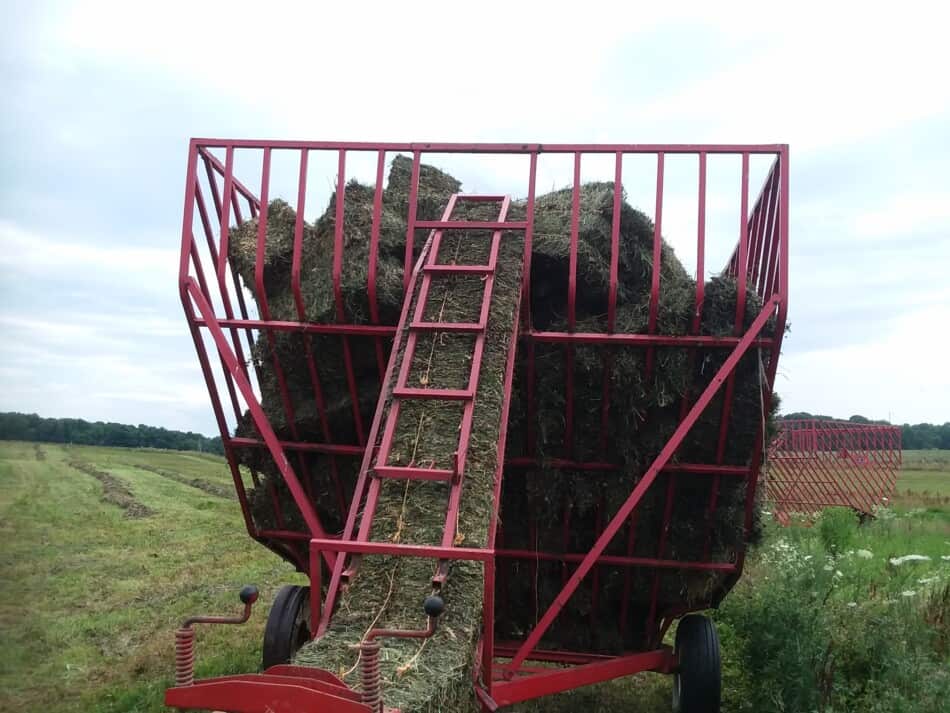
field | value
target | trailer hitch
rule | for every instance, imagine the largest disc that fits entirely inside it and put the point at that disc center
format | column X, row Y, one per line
column 369, row 650
column 185, row 636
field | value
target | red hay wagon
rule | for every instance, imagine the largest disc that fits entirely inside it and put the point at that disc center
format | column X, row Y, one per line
column 225, row 325
column 813, row 464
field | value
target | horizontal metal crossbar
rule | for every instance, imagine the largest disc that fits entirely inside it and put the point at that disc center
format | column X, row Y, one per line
column 434, row 394
column 617, row 560
column 472, row 224
column 400, row 550
column 403, row 472
column 459, row 269
column 453, row 327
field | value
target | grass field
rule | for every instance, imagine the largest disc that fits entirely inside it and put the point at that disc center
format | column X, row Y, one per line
column 105, row 550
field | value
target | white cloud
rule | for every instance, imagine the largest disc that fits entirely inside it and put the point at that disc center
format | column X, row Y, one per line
column 24, row 250
column 906, row 214
column 899, row 374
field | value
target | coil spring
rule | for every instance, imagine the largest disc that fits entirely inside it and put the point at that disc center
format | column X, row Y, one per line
column 369, row 675
column 184, row 656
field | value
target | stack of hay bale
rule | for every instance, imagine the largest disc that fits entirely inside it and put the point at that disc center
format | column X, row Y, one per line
column 645, row 407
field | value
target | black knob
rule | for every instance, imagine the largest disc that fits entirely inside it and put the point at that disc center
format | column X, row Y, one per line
column 249, row 594
column 433, row 605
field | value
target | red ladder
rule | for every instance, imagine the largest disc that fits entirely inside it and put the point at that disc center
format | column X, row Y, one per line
column 375, row 469
column 402, row 392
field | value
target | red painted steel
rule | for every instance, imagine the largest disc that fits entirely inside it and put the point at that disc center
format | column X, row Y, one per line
column 226, row 333
column 813, row 464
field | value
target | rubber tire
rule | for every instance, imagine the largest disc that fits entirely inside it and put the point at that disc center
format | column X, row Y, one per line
column 288, row 625
column 697, row 684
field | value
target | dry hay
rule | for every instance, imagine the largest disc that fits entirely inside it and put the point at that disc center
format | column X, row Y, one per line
column 644, row 410
column 114, row 491
column 219, row 491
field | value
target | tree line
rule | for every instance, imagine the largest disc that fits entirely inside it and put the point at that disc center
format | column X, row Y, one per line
column 918, row 436
column 31, row 427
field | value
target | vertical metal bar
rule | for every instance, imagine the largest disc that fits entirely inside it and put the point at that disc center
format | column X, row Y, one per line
column 298, row 236
column 488, row 624
column 595, row 575
column 615, row 243
column 607, row 354
column 572, row 259
column 565, row 535
column 743, row 266
column 627, row 582
column 212, row 183
column 571, row 311
column 650, row 633
column 528, row 242
column 339, row 220
column 530, row 436
column 700, row 245
column 373, row 258
column 771, row 273
column 315, row 570
column 767, row 234
column 657, row 261
column 411, row 219
column 261, row 254
column 224, row 217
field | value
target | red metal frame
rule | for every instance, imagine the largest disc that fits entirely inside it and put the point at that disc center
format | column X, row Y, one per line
column 218, row 309
column 814, row 464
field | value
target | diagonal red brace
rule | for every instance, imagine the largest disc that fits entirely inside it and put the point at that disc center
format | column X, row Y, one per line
column 645, row 482
column 260, row 420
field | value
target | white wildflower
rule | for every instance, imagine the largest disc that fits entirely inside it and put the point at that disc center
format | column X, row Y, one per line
column 908, row 593
column 807, row 557
column 828, row 567
column 897, row 561
column 945, row 558
column 865, row 554
column 838, row 573
column 852, row 604
column 928, row 580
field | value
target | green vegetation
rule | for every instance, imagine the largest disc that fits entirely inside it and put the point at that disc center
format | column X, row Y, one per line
column 90, row 598
column 30, row 427
column 827, row 618
column 842, row 617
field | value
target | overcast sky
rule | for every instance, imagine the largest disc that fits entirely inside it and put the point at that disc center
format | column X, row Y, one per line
column 100, row 99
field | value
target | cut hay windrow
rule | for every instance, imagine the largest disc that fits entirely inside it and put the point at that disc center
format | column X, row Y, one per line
column 644, row 409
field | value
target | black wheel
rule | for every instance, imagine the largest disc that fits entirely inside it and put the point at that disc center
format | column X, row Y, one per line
column 697, row 683
column 288, row 625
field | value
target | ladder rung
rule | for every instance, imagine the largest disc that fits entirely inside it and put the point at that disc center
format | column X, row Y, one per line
column 481, row 198
column 459, row 269
column 406, row 392
column 463, row 327
column 472, row 224
column 401, row 472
